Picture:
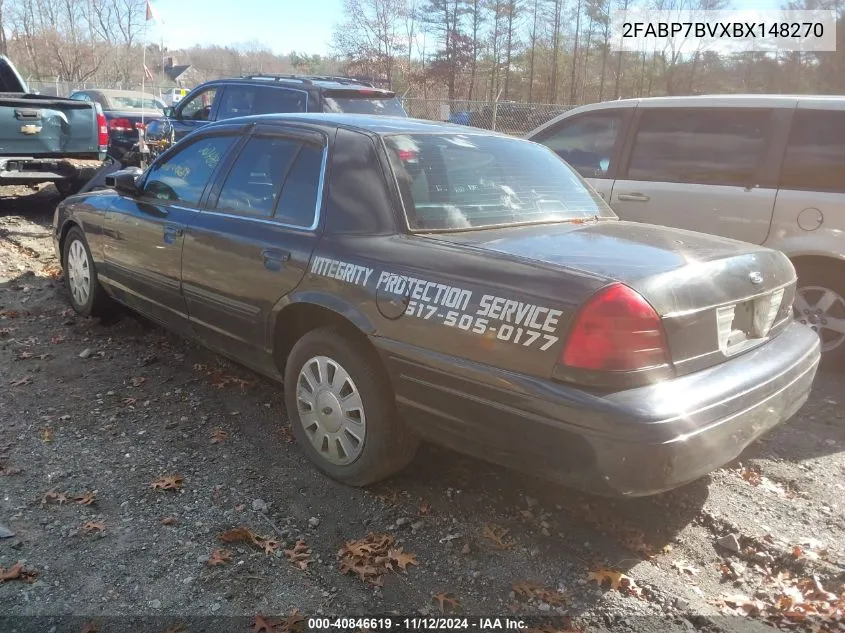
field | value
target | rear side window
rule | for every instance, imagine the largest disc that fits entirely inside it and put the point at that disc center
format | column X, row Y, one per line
column 815, row 155
column 301, row 191
column 184, row 175
column 586, row 141
column 362, row 102
column 253, row 184
column 248, row 100
column 719, row 146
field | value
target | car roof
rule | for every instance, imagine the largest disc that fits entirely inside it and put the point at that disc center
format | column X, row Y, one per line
column 322, row 82
column 373, row 123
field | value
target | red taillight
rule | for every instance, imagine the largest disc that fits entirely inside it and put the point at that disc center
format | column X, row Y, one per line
column 121, row 125
column 616, row 330
column 406, row 155
column 102, row 130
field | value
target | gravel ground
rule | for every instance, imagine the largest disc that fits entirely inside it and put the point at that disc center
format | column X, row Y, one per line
column 92, row 414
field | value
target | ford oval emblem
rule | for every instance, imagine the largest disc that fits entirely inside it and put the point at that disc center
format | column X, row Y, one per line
column 755, row 277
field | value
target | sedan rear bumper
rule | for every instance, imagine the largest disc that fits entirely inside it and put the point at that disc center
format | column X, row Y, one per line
column 629, row 443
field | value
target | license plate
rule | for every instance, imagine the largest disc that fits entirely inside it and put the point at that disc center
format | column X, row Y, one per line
column 742, row 322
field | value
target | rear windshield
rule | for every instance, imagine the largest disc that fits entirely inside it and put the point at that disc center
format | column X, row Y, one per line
column 135, row 103
column 363, row 103
column 464, row 181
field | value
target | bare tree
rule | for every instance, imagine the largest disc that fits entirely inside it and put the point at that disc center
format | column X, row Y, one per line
column 511, row 9
column 370, row 36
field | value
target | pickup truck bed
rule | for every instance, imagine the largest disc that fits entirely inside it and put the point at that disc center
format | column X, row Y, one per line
column 47, row 139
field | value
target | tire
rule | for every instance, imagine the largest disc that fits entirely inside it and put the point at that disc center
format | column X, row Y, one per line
column 820, row 303
column 68, row 187
column 387, row 445
column 86, row 295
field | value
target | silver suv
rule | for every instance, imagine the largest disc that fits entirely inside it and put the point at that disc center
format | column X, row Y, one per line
column 766, row 169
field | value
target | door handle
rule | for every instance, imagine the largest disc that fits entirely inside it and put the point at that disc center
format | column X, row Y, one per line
column 633, row 197
column 273, row 258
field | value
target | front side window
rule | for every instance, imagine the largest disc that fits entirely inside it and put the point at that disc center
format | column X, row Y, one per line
column 586, row 142
column 183, row 176
column 815, row 154
column 461, row 181
column 199, row 107
column 718, row 146
column 253, row 185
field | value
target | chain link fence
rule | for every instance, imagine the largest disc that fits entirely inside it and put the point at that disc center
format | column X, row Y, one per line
column 503, row 116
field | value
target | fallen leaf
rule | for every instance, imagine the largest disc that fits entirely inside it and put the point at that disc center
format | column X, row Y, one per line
column 402, row 559
column 261, row 625
column 299, row 555
column 7, row 471
column 245, row 535
column 25, row 355
column 219, row 557
column 137, row 381
column 55, row 340
column 86, row 499
column 425, row 508
column 172, row 482
column 20, row 382
column 129, row 401
column 168, row 521
column 446, row 600
column 219, row 435
column 52, row 495
column 17, row 572
column 90, row 627
column 176, row 628
column 293, row 623
column 286, row 434
column 93, row 526
column 529, row 590
column 498, row 536
column 46, row 434
column 617, row 580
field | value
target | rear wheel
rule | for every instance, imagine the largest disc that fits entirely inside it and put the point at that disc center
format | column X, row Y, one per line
column 820, row 304
column 85, row 292
column 342, row 408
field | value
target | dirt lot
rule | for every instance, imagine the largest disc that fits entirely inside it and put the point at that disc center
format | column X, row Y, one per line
column 110, row 408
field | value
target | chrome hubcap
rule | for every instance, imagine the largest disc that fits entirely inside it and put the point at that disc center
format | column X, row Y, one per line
column 824, row 311
column 78, row 273
column 331, row 410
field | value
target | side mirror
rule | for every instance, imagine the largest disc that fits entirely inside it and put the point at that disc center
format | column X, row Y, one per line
column 170, row 112
column 125, row 181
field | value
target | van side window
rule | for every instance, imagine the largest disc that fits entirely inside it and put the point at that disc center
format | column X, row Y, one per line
column 586, row 142
column 715, row 146
column 815, row 154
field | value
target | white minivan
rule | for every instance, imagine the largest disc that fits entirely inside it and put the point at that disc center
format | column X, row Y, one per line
column 766, row 169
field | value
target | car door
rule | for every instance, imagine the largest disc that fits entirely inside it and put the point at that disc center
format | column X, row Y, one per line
column 144, row 234
column 252, row 242
column 700, row 168
column 194, row 112
column 591, row 143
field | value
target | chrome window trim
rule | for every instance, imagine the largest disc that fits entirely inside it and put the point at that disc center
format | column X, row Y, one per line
column 321, row 191
column 756, row 295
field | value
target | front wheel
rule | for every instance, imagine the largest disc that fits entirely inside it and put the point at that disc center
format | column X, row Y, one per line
column 342, row 409
column 87, row 296
column 820, row 304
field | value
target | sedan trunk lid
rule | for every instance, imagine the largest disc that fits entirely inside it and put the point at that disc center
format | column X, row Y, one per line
column 716, row 297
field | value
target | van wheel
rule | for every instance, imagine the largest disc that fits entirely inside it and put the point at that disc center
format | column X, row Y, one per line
column 342, row 409
column 820, row 304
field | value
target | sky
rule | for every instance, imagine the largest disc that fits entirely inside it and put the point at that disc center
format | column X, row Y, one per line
column 304, row 26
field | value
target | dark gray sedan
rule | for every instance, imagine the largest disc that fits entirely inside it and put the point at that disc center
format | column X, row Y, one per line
column 408, row 280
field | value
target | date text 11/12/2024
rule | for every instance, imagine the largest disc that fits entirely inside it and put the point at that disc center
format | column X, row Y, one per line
column 416, row 623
